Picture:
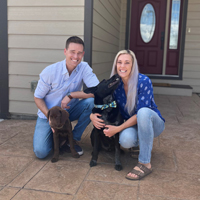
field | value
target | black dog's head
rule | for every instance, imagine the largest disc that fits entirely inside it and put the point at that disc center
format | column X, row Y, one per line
column 105, row 87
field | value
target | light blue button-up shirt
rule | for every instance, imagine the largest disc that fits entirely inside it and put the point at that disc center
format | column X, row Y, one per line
column 55, row 83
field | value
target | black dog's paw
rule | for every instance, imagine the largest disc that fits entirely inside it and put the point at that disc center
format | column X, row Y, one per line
column 53, row 160
column 118, row 167
column 93, row 163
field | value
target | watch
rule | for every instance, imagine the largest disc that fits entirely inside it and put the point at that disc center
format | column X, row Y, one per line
column 69, row 95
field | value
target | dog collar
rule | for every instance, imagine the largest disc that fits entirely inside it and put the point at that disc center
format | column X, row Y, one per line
column 104, row 106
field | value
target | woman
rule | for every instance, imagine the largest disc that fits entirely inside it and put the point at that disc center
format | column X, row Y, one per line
column 142, row 119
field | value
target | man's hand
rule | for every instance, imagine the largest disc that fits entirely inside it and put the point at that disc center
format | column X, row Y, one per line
column 53, row 130
column 64, row 102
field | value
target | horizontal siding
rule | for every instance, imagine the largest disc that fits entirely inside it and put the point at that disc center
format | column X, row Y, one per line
column 101, row 7
column 193, row 7
column 193, row 22
column 193, row 36
column 102, row 57
column 191, row 60
column 192, row 52
column 100, row 21
column 22, row 107
column 191, row 67
column 102, row 46
column 192, row 45
column 46, row 13
column 19, row 94
column 21, row 81
column 102, row 68
column 106, row 35
column 37, row 41
column 37, row 32
column 26, row 68
column 46, row 27
column 45, row 3
column 36, row 55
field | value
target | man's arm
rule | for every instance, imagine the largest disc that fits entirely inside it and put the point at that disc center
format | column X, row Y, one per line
column 41, row 105
column 75, row 95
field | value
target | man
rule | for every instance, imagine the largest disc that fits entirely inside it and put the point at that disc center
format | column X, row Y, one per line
column 60, row 84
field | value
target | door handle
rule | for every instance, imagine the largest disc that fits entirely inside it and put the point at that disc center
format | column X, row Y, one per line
column 162, row 40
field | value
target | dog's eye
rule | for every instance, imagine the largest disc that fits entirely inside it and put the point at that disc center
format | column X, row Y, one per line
column 117, row 79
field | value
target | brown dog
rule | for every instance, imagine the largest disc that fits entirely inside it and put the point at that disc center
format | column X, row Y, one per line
column 59, row 121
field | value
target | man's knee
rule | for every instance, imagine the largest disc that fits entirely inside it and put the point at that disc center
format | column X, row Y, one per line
column 41, row 153
column 90, row 103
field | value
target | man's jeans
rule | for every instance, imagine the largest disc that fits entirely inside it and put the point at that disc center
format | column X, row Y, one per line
column 43, row 136
column 149, row 125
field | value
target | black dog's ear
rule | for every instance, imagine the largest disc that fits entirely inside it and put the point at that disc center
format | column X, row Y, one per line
column 64, row 116
column 90, row 90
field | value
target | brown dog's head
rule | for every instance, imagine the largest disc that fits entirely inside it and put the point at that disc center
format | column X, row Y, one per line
column 57, row 117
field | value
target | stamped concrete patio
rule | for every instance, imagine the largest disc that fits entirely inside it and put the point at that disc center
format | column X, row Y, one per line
column 175, row 161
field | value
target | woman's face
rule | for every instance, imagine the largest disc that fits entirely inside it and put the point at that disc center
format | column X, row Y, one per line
column 124, row 65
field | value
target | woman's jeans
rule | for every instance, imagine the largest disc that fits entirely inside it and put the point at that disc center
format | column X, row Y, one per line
column 149, row 125
column 43, row 136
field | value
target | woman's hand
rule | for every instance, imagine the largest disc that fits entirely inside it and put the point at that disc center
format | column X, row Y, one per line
column 97, row 122
column 110, row 130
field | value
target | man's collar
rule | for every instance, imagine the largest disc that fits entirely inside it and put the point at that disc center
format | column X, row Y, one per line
column 65, row 70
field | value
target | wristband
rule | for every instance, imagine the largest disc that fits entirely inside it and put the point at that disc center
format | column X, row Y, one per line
column 69, row 95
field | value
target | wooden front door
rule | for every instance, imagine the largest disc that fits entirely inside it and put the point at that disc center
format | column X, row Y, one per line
column 147, row 34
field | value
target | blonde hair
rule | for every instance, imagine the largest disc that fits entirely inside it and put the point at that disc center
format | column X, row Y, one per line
column 132, row 82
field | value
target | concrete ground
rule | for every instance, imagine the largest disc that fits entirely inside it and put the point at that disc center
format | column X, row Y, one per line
column 175, row 162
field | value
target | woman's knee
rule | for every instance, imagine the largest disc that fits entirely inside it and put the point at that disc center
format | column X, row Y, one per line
column 128, row 138
column 143, row 115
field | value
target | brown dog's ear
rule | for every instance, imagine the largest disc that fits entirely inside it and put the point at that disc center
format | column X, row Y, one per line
column 48, row 115
column 64, row 116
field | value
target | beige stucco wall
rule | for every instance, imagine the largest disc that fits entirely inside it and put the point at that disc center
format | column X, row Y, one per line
column 109, row 18
column 191, row 67
column 37, row 31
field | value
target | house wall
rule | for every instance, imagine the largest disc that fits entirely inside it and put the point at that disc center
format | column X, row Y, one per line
column 37, row 31
column 109, row 18
column 191, row 68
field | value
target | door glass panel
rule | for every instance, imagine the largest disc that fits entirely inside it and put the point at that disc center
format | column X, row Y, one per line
column 175, row 15
column 147, row 23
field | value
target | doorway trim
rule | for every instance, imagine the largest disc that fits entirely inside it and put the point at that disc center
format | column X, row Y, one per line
column 182, row 41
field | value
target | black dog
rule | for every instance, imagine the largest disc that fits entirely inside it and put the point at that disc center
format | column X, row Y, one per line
column 107, row 107
column 59, row 121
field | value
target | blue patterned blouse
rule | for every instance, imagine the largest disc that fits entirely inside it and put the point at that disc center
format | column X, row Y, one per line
column 145, row 97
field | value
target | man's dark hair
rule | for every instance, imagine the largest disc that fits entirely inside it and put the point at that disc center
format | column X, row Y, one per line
column 74, row 39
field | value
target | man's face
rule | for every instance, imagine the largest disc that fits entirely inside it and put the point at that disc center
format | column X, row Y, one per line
column 74, row 54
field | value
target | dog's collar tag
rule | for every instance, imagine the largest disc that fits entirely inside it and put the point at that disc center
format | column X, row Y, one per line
column 104, row 106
